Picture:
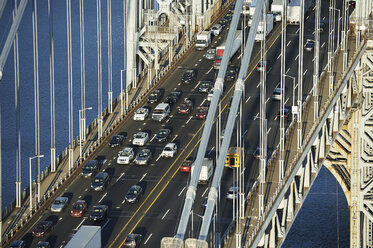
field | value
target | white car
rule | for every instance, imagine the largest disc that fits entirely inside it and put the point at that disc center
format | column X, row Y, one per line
column 126, row 155
column 141, row 114
column 210, row 94
column 216, row 29
column 140, row 138
column 169, row 150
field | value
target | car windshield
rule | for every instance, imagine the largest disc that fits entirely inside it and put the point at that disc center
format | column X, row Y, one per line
column 188, row 74
column 115, row 138
column 201, row 110
column 98, row 210
column 140, row 111
column 140, row 136
column 205, row 84
column 98, row 180
column 40, row 226
column 154, row 94
column 162, row 132
column 143, row 154
column 133, row 191
column 78, row 206
column 125, row 153
column 168, row 148
column 186, row 164
column 88, row 167
column 58, row 202
column 211, row 52
column 183, row 105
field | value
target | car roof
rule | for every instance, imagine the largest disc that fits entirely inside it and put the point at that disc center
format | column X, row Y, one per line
column 162, row 105
column 171, row 144
column 102, row 174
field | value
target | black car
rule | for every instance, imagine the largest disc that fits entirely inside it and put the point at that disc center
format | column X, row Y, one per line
column 309, row 45
column 42, row 228
column 224, row 21
column 133, row 240
column 155, row 96
column 163, row 134
column 134, row 193
column 100, row 182
column 18, row 244
column 204, row 203
column 188, row 76
column 322, row 26
column 44, row 244
column 173, row 97
column 99, row 213
column 231, row 73
column 287, row 114
column 205, row 86
column 116, row 141
column 90, row 168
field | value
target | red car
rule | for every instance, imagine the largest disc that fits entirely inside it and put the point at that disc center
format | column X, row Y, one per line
column 42, row 228
column 185, row 166
column 79, row 207
column 201, row 112
column 186, row 107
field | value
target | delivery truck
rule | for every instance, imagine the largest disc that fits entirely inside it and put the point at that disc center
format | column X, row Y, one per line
column 86, row 237
column 220, row 49
column 260, row 31
column 294, row 11
column 276, row 9
column 206, row 170
column 203, row 40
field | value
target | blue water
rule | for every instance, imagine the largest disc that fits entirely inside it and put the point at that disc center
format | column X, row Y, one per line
column 316, row 224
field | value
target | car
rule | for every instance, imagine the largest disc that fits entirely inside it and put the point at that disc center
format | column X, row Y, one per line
column 100, row 181
column 205, row 86
column 43, row 244
column 155, row 96
column 287, row 113
column 186, row 165
column 42, row 228
column 141, row 114
column 232, row 193
column 188, row 76
column 276, row 94
column 202, row 112
column 163, row 134
column 210, row 54
column 126, row 155
column 140, row 139
column 133, row 240
column 90, row 168
column 261, row 65
column 210, row 94
column 231, row 74
column 18, row 244
column 59, row 204
column 204, row 203
column 99, row 213
column 224, row 21
column 256, row 153
column 161, row 111
column 186, row 107
column 173, row 96
column 79, row 207
column 308, row 47
column 169, row 150
column 216, row 29
column 351, row 3
column 322, row 27
column 143, row 157
column 134, row 193
column 117, row 140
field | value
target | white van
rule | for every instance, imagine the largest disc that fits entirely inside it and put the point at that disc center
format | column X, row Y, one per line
column 161, row 111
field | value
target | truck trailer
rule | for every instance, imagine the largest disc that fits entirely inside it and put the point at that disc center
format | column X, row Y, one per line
column 220, row 49
column 86, row 237
column 276, row 9
column 294, row 11
column 206, row 170
column 260, row 31
column 203, row 40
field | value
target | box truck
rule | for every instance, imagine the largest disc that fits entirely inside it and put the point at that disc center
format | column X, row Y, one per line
column 86, row 237
column 203, row 40
column 206, row 170
column 260, row 31
column 220, row 49
column 294, row 11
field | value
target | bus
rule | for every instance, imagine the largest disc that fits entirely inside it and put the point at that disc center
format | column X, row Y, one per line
column 233, row 157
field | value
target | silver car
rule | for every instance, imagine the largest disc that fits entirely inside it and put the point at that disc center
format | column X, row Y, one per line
column 232, row 193
column 143, row 157
column 59, row 204
column 210, row 54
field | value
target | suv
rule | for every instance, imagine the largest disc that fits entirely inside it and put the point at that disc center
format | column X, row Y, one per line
column 100, row 182
column 231, row 74
column 188, row 77
column 205, row 86
column 161, row 111
column 155, row 96
column 90, row 168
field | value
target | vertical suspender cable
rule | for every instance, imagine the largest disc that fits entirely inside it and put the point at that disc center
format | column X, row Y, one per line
column 36, row 91
column 82, row 71
column 330, row 47
column 99, row 70
column 1, row 190
column 70, row 83
column 344, row 33
column 52, row 90
column 110, row 50
column 300, row 75
column 316, row 61
column 17, row 109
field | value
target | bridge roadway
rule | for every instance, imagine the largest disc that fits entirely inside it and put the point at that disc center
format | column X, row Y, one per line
column 160, row 206
column 251, row 224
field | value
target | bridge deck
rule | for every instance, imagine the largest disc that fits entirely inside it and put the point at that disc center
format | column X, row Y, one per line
column 252, row 224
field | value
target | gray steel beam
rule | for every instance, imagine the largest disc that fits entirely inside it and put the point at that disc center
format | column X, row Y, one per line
column 218, row 88
column 11, row 35
column 2, row 7
column 239, row 89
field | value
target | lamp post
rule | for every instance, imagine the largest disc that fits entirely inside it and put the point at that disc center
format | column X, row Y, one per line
column 294, row 86
column 82, row 129
column 121, row 93
column 38, row 181
column 339, row 14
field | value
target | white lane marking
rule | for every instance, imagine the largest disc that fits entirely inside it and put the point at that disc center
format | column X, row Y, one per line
column 189, row 119
column 174, row 138
column 109, row 163
column 144, row 124
column 239, row 56
column 86, row 190
column 195, row 65
column 297, row 31
column 310, row 91
column 124, row 200
column 287, row 70
column 269, row 130
column 143, row 176
column 196, row 86
column 211, row 149
column 204, row 192
column 108, row 220
column 296, row 57
column 313, row 59
column 323, row 18
column 247, row 99
column 81, row 223
column 244, row 133
column 256, row 116
column 269, row 70
column 313, row 32
column 181, row 191
column 267, row 100
column 146, row 241
column 304, row 73
column 307, row 17
column 168, row 119
column 278, row 56
column 158, row 158
column 203, row 102
column 258, row 85
column 122, row 174
column 117, row 207
column 288, row 43
column 323, row 44
column 275, row 118
column 80, row 197
column 209, row 70
column 115, row 158
column 60, row 218
column 102, row 197
column 139, row 129
column 165, row 214
column 153, row 138
column 286, row 101
column 104, row 161
column 199, row 60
